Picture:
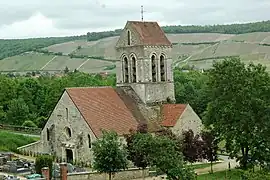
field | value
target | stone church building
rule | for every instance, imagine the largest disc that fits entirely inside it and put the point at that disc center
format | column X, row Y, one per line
column 144, row 94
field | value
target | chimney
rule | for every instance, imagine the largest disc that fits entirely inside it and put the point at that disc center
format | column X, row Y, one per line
column 63, row 171
column 45, row 173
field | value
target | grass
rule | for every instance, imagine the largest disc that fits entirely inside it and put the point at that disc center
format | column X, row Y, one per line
column 60, row 62
column 202, row 166
column 31, row 61
column 10, row 141
column 228, row 175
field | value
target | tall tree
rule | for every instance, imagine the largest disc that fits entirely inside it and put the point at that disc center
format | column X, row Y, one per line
column 109, row 154
column 210, row 147
column 239, row 109
column 138, row 147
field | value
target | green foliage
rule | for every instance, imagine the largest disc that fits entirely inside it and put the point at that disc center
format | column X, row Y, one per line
column 167, row 159
column 230, row 175
column 258, row 175
column 10, row 141
column 29, row 124
column 239, row 109
column 17, row 46
column 18, row 111
column 263, row 26
column 190, row 87
column 44, row 161
column 25, row 98
column 138, row 149
column 109, row 154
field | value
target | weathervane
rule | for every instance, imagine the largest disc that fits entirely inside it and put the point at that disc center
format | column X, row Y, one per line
column 142, row 11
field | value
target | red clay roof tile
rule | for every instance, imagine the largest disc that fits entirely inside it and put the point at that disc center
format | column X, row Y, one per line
column 102, row 109
column 171, row 113
column 150, row 33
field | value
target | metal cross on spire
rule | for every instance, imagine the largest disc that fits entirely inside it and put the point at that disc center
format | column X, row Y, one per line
column 142, row 11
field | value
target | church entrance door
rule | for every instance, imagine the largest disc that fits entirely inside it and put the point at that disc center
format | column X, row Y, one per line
column 69, row 155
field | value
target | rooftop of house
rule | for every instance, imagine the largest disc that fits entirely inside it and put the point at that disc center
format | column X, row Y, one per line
column 171, row 113
column 150, row 33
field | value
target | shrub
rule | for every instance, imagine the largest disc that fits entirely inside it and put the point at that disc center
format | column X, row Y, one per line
column 44, row 161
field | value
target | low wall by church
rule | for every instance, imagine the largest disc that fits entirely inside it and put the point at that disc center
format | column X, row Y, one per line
column 132, row 173
column 31, row 149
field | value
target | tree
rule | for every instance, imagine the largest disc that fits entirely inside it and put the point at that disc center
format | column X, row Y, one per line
column 192, row 147
column 239, row 109
column 210, row 147
column 66, row 70
column 18, row 111
column 109, row 154
column 138, row 147
column 44, row 161
column 166, row 157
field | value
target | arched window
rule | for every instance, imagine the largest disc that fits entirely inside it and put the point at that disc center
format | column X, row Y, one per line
column 125, row 69
column 68, row 131
column 154, row 68
column 128, row 34
column 48, row 134
column 162, row 68
column 134, row 78
column 89, row 141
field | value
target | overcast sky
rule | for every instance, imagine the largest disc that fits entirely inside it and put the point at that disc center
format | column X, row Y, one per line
column 42, row 18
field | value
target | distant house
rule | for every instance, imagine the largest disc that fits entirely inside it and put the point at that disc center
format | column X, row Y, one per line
column 144, row 94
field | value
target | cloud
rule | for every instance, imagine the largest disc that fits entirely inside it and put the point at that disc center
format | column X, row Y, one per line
column 39, row 18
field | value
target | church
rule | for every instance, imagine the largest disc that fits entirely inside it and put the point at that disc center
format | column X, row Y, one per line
column 144, row 94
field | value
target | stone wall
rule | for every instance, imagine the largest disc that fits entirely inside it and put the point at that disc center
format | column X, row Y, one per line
column 188, row 120
column 66, row 115
column 31, row 149
column 129, row 174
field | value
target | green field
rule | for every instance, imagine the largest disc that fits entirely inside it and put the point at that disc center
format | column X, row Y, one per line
column 27, row 61
column 10, row 141
column 198, row 49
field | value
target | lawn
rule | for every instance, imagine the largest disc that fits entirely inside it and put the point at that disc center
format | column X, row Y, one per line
column 204, row 165
column 10, row 141
column 230, row 175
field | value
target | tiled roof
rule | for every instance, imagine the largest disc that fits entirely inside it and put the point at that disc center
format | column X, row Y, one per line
column 102, row 109
column 171, row 113
column 150, row 33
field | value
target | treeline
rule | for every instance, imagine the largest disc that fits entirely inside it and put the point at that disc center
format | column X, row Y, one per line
column 12, row 47
column 263, row 26
column 24, row 99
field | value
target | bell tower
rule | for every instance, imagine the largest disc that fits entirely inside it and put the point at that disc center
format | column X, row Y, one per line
column 145, row 62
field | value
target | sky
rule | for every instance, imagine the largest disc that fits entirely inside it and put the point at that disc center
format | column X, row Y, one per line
column 46, row 18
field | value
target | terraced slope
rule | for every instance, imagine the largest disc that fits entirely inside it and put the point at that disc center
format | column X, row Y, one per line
column 27, row 61
column 198, row 49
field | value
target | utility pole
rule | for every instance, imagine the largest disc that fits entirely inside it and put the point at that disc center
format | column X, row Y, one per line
column 142, row 11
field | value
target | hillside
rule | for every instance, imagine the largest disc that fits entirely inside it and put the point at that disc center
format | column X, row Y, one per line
column 198, row 49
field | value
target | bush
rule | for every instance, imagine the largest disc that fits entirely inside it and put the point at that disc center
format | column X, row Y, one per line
column 44, row 161
column 29, row 124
